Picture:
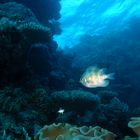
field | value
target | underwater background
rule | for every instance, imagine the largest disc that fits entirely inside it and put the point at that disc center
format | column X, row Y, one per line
column 46, row 46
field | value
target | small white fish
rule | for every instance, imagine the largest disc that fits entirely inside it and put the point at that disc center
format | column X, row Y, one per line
column 61, row 111
column 94, row 77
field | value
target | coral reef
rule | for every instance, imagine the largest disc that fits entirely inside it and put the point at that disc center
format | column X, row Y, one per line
column 19, row 29
column 21, row 109
column 39, row 59
column 130, row 138
column 117, row 105
column 112, row 115
column 135, row 125
column 16, row 17
column 75, row 100
column 136, row 112
column 85, row 108
column 16, row 12
column 20, row 132
column 37, row 80
column 40, row 100
column 106, row 96
column 12, row 99
column 34, row 32
column 9, row 130
column 69, row 132
column 51, row 8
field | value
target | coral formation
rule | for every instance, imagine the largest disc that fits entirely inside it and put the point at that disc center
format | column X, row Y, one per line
column 20, row 131
column 85, row 108
column 34, row 32
column 40, row 100
column 21, row 19
column 136, row 112
column 39, row 59
column 106, row 96
column 130, row 138
column 16, row 12
column 75, row 100
column 69, row 132
column 37, row 79
column 118, row 105
column 12, row 99
column 135, row 125
column 112, row 115
column 19, row 29
column 49, row 18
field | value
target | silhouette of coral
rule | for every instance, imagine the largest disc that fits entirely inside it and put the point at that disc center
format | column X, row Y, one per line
column 12, row 99
column 75, row 100
column 19, row 28
column 106, row 96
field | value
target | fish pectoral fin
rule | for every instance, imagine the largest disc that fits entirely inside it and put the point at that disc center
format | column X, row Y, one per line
column 105, row 83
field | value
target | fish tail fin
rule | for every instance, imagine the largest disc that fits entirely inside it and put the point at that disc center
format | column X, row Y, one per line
column 111, row 76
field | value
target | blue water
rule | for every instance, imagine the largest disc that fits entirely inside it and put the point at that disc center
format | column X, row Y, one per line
column 79, row 17
column 107, row 34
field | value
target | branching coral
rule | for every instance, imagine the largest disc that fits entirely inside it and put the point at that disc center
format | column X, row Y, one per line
column 113, row 116
column 69, row 132
column 10, row 130
column 20, row 132
column 12, row 100
column 117, row 105
column 106, row 96
column 40, row 100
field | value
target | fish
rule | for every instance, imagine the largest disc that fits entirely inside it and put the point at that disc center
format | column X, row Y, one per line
column 61, row 111
column 94, row 77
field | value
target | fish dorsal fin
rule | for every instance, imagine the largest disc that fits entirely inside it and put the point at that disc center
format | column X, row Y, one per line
column 92, row 69
column 102, row 71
